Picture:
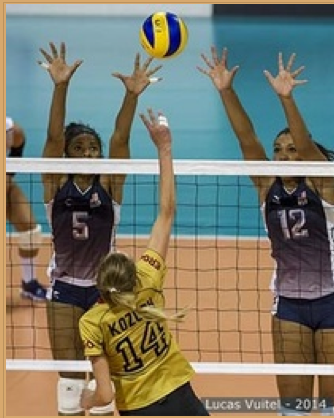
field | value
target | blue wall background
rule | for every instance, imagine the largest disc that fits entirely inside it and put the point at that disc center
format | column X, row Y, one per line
column 200, row 127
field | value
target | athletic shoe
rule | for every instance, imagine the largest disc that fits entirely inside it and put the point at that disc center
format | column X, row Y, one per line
column 33, row 290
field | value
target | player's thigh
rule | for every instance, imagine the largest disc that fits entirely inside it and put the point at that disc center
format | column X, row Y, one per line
column 63, row 328
column 324, row 344
column 293, row 343
column 19, row 212
column 65, row 341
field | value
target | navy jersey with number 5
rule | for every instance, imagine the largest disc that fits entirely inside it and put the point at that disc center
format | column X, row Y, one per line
column 300, row 227
column 82, row 226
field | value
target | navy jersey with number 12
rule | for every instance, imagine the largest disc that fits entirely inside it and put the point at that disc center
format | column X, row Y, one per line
column 300, row 227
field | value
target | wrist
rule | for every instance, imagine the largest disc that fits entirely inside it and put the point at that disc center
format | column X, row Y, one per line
column 285, row 98
column 165, row 150
column 131, row 95
column 61, row 85
column 226, row 90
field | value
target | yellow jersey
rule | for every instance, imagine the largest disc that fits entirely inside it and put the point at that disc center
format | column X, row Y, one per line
column 145, row 361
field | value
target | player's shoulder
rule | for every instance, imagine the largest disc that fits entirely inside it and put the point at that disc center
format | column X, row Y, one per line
column 151, row 269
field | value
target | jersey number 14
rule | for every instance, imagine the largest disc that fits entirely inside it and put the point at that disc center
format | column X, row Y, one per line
column 153, row 341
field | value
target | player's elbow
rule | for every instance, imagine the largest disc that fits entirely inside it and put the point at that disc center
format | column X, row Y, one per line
column 18, row 137
column 169, row 208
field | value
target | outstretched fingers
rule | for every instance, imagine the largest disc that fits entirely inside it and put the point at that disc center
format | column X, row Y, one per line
column 147, row 63
column 137, row 61
column 207, row 61
column 280, row 62
column 46, row 55
column 119, row 76
column 269, row 76
column 154, row 123
column 214, row 55
column 299, row 70
column 289, row 65
column 152, row 116
column 76, row 65
column 300, row 82
column 153, row 70
column 224, row 57
column 54, row 54
column 53, row 50
column 151, row 120
column 144, row 119
column 44, row 65
column 62, row 51
column 290, row 62
column 202, row 70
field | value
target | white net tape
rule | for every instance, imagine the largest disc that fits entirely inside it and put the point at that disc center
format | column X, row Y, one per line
column 181, row 167
column 205, row 368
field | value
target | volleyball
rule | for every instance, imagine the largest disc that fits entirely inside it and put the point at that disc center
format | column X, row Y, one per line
column 163, row 35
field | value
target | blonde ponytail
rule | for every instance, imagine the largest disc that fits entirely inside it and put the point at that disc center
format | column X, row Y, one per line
column 125, row 299
column 151, row 313
column 117, row 281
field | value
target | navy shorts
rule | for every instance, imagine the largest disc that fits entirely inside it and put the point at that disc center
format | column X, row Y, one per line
column 313, row 313
column 82, row 297
column 181, row 402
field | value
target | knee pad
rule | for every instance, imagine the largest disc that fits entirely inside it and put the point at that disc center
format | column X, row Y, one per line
column 69, row 395
column 31, row 240
column 101, row 410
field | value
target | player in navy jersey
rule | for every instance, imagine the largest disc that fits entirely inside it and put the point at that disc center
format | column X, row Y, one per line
column 83, row 211
column 19, row 213
column 299, row 217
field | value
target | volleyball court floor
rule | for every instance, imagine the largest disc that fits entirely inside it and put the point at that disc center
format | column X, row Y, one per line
column 232, row 304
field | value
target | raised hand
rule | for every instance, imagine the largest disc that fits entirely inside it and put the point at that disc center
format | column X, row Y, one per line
column 285, row 81
column 157, row 128
column 217, row 70
column 55, row 64
column 141, row 76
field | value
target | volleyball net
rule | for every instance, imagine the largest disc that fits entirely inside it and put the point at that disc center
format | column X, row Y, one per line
column 219, row 261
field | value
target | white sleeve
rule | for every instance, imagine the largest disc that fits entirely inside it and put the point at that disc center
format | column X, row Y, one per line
column 117, row 219
column 117, row 212
column 9, row 134
column 9, row 123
